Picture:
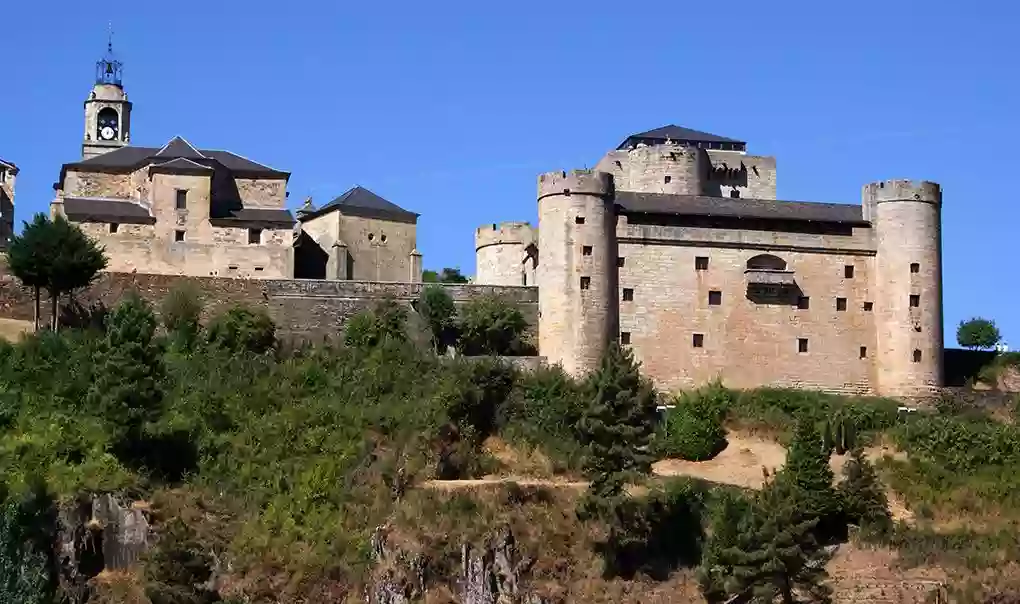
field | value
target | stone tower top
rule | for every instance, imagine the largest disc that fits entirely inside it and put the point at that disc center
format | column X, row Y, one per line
column 107, row 110
column 903, row 190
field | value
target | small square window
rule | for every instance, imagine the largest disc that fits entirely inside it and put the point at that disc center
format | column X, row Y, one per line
column 917, row 327
column 182, row 199
column 625, row 337
column 232, row 267
column 619, row 262
column 915, row 267
column 869, row 306
column 578, row 219
column 714, row 298
column 259, row 269
column 628, row 294
column 864, row 352
column 114, row 227
column 178, row 235
column 586, row 250
column 848, row 271
column 254, row 236
column 803, row 302
column 801, row 344
column 915, row 300
column 699, row 340
column 840, row 304
column 735, row 194
column 701, row 263
column 585, row 282
column 668, row 179
column 917, row 356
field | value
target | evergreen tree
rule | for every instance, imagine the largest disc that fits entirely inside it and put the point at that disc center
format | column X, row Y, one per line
column 29, row 257
column 861, row 494
column 180, row 313
column 437, row 310
column 776, row 556
column 809, row 478
column 75, row 262
column 27, row 573
column 617, row 427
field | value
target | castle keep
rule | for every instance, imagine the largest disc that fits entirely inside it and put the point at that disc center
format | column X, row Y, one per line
column 676, row 245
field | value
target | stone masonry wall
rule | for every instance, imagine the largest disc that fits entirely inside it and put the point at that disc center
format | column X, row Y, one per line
column 300, row 308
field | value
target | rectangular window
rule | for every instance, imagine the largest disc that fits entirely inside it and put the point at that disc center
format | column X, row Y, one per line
column 840, row 304
column 232, row 267
column 848, row 271
column 699, row 340
column 668, row 179
column 628, row 294
column 178, row 235
column 915, row 267
column 619, row 262
column 259, row 269
column 917, row 356
column 801, row 344
column 254, row 236
column 803, row 302
column 585, row 282
column 579, row 219
column 864, row 352
column 701, row 263
column 586, row 250
column 869, row 306
column 915, row 300
column 182, row 199
column 714, row 298
column 114, row 227
column 625, row 337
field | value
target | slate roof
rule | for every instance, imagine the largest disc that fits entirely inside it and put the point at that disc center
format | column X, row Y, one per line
column 359, row 201
column 97, row 209
column 129, row 159
column 252, row 218
column 678, row 133
column 696, row 205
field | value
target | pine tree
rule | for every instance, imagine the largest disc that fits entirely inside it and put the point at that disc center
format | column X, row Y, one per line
column 809, row 478
column 617, row 427
column 27, row 572
column 775, row 555
column 861, row 494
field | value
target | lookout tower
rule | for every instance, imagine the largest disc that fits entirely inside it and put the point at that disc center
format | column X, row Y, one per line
column 107, row 110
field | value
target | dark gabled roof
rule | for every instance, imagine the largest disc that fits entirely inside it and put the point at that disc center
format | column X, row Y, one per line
column 252, row 218
column 678, row 133
column 129, row 159
column 95, row 209
column 359, row 201
column 13, row 168
column 181, row 166
column 696, row 205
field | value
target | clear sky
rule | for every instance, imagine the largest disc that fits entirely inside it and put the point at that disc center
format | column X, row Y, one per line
column 451, row 109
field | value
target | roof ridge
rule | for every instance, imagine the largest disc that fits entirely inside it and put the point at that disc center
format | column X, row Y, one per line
column 180, row 138
column 245, row 158
column 184, row 159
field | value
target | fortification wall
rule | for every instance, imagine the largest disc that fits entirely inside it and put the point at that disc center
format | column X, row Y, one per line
column 301, row 309
column 747, row 338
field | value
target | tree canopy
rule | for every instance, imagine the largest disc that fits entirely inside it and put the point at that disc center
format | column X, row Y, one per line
column 978, row 333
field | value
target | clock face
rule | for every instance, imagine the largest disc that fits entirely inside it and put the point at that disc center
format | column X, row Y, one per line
column 107, row 133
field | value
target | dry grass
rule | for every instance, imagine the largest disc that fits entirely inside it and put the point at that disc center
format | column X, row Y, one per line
column 13, row 330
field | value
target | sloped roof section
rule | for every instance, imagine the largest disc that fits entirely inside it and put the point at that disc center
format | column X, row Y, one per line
column 678, row 134
column 129, row 159
column 97, row 209
column 181, row 166
column 696, row 205
column 258, row 218
column 359, row 201
column 8, row 165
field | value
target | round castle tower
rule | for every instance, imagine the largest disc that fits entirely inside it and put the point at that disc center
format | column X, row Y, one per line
column 907, row 218
column 577, row 279
column 672, row 168
column 501, row 252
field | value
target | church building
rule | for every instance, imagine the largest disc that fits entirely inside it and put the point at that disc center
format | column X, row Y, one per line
column 174, row 209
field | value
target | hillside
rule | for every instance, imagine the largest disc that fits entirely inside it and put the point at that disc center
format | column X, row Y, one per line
column 177, row 463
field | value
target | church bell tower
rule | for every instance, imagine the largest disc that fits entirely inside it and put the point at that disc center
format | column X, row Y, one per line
column 107, row 110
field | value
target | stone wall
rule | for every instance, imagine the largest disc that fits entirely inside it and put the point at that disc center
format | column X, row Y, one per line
column 301, row 308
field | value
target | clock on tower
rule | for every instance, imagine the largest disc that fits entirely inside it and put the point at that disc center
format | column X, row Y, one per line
column 107, row 110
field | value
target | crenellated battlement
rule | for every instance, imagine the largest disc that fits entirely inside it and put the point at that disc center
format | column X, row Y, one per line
column 505, row 233
column 902, row 190
column 582, row 182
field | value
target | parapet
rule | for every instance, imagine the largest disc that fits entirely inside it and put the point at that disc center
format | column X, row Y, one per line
column 581, row 182
column 503, row 233
column 902, row 190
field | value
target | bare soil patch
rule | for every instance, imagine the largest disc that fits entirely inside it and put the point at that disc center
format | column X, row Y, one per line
column 742, row 463
column 13, row 330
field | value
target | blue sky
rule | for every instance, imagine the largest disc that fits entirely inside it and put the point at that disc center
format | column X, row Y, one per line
column 451, row 109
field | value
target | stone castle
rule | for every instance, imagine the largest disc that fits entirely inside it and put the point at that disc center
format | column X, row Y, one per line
column 675, row 245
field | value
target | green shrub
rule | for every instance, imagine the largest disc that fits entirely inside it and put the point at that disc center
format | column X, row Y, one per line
column 440, row 316
column 242, row 330
column 693, row 429
column 491, row 325
column 180, row 313
column 384, row 324
column 543, row 411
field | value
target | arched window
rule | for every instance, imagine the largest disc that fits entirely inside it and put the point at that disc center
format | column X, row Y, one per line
column 767, row 262
column 108, row 124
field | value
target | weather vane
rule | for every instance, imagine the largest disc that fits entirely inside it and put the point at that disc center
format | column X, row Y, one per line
column 109, row 38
